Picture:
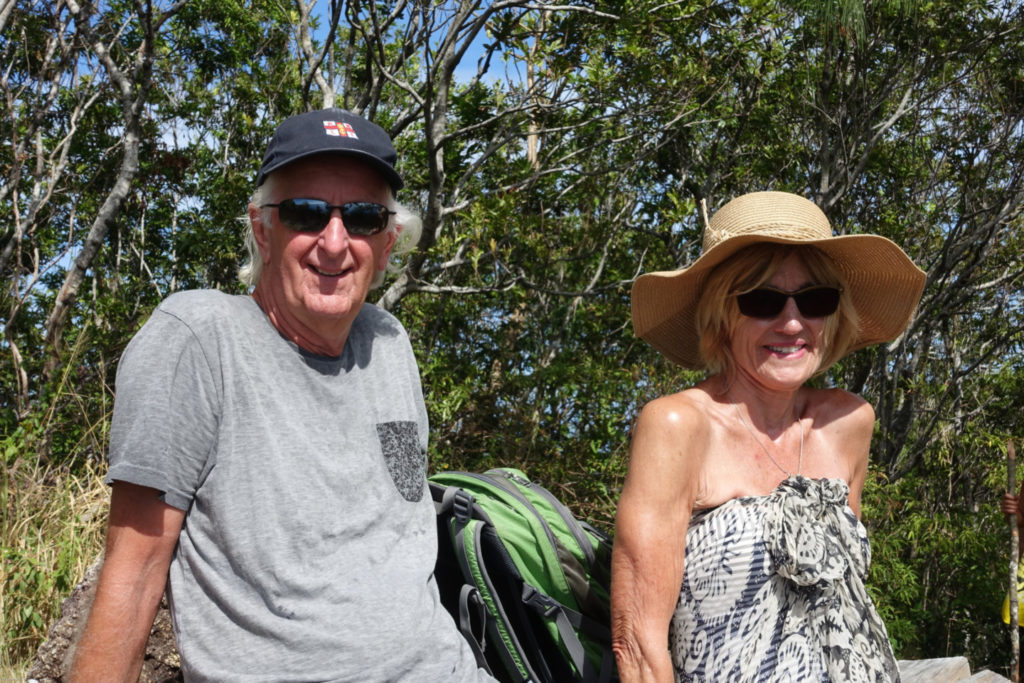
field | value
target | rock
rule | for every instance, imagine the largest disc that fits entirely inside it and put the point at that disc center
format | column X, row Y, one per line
column 53, row 658
column 946, row 670
column 987, row 677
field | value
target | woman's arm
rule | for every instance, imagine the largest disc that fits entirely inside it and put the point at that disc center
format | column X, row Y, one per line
column 857, row 426
column 650, row 537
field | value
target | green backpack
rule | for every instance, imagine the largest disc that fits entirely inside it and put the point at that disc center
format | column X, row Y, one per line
column 526, row 582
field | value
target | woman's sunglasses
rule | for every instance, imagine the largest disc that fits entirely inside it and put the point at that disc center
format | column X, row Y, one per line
column 816, row 301
column 312, row 215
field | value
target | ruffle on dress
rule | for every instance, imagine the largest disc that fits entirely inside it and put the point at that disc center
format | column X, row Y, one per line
column 810, row 542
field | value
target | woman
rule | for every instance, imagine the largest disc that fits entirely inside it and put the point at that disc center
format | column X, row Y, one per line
column 739, row 554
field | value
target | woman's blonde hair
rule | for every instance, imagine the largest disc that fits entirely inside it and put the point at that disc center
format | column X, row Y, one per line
column 718, row 314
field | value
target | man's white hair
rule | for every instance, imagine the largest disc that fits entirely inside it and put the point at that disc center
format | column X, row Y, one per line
column 407, row 225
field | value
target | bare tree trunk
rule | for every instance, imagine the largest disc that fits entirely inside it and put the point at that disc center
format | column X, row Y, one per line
column 39, row 161
column 90, row 247
column 133, row 86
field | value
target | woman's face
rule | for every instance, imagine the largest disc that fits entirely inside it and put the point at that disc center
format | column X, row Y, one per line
column 781, row 353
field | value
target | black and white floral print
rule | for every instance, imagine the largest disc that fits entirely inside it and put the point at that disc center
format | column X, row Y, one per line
column 774, row 591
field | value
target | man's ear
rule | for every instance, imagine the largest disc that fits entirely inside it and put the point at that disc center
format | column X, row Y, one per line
column 382, row 263
column 260, row 232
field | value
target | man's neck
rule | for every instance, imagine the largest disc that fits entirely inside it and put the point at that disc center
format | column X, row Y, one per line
column 322, row 342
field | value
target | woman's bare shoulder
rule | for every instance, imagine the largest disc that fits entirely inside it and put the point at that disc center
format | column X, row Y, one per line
column 672, row 433
column 843, row 423
column 840, row 406
column 667, row 452
column 684, row 410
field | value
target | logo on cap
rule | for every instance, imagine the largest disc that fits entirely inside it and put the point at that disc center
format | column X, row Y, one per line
column 339, row 129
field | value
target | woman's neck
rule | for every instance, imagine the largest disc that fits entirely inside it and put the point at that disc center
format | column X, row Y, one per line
column 770, row 411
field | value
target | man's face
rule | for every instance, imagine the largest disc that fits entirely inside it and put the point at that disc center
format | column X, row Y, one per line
column 314, row 283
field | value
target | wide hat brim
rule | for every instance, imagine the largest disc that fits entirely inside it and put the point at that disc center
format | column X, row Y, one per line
column 883, row 282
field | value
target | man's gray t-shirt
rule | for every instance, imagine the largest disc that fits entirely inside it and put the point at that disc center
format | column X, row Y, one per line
column 309, row 541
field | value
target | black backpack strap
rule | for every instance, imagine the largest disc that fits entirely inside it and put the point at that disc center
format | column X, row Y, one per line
column 460, row 504
column 607, row 666
column 568, row 621
column 473, row 610
column 457, row 505
column 505, row 640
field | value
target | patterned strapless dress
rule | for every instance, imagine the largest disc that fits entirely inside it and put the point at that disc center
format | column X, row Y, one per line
column 773, row 590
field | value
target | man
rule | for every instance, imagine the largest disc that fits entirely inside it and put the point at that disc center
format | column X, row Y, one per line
column 268, row 451
column 1010, row 505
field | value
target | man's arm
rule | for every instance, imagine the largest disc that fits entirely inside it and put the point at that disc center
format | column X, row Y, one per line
column 141, row 537
column 1010, row 505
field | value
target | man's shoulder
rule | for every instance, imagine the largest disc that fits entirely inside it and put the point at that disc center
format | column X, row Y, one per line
column 201, row 314
column 376, row 321
column 378, row 338
column 197, row 305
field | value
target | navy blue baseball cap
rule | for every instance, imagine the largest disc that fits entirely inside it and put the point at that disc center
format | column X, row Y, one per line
column 331, row 131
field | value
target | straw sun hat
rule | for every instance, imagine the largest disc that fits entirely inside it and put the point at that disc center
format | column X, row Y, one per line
column 883, row 281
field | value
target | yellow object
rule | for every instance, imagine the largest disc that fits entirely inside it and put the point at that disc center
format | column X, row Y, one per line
column 1020, row 594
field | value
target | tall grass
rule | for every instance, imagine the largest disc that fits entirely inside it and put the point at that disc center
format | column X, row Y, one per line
column 52, row 525
column 53, row 504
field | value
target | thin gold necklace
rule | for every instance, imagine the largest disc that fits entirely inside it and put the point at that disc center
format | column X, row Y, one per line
column 800, row 456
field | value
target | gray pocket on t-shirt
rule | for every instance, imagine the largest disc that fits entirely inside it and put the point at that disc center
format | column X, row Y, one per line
column 399, row 442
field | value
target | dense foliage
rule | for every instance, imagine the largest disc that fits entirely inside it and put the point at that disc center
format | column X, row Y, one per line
column 555, row 154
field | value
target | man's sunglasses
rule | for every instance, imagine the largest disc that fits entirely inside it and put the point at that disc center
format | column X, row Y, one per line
column 816, row 301
column 312, row 215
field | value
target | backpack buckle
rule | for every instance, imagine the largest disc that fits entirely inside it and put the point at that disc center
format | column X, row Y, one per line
column 544, row 604
column 462, row 506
